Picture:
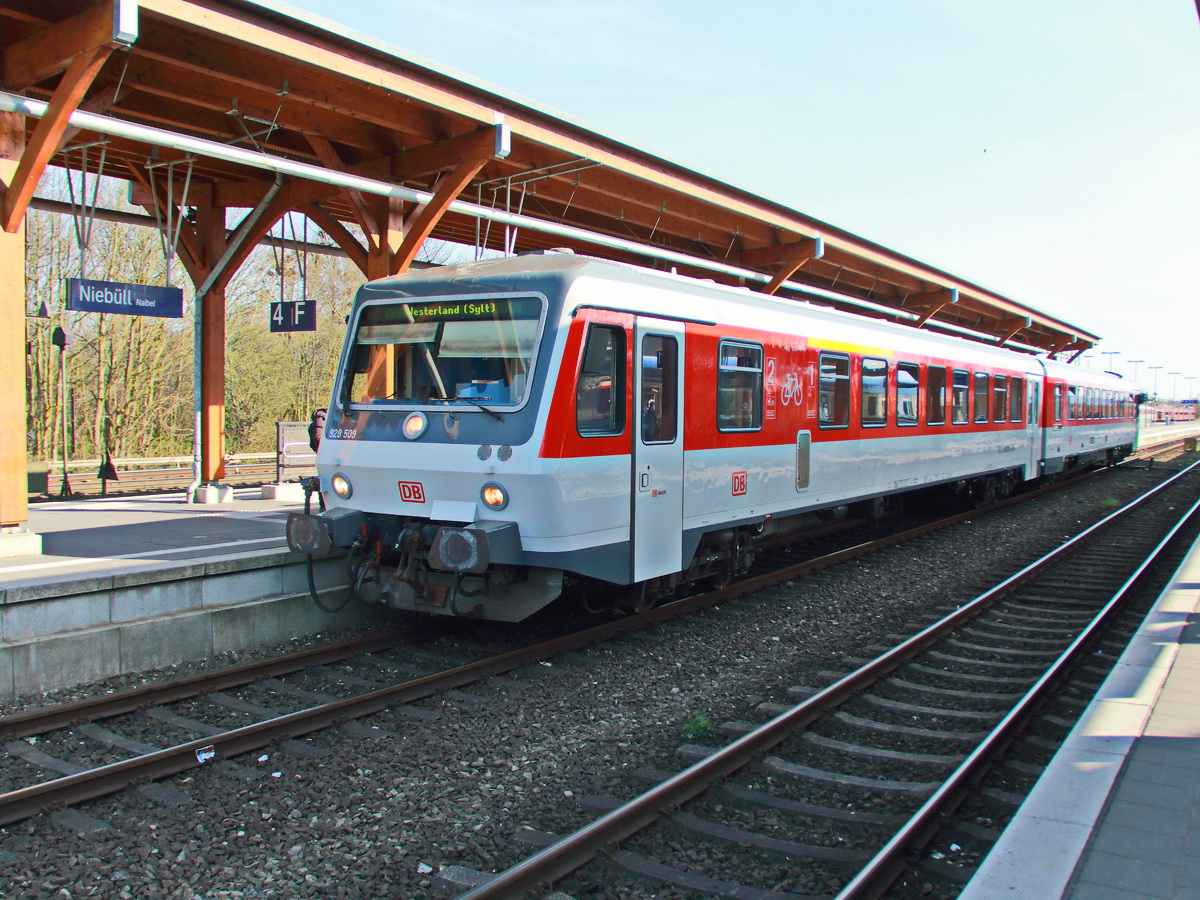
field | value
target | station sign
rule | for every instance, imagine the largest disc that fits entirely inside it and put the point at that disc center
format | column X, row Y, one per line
column 125, row 299
column 293, row 315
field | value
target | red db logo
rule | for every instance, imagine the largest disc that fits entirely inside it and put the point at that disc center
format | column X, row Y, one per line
column 412, row 492
column 739, row 484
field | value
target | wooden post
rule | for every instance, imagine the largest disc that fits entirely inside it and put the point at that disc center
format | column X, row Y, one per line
column 14, row 503
column 210, row 225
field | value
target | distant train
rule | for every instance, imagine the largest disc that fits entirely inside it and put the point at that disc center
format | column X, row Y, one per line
column 502, row 429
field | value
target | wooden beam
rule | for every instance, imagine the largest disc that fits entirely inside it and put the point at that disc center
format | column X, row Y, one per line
column 45, row 139
column 493, row 142
column 336, row 230
column 801, row 250
column 330, row 160
column 1007, row 329
column 52, row 51
column 428, row 215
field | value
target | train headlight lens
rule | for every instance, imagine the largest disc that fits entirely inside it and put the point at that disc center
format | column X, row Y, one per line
column 495, row 496
column 341, row 486
column 415, row 425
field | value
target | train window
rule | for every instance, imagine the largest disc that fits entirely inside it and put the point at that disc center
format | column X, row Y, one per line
column 440, row 352
column 874, row 391
column 1058, row 403
column 999, row 398
column 1016, row 399
column 1072, row 403
column 935, row 395
column 981, row 396
column 959, row 412
column 1089, row 404
column 659, row 401
column 600, row 391
column 739, row 386
column 833, row 394
column 908, row 380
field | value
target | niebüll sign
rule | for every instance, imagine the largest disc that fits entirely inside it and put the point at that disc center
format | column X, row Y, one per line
column 127, row 299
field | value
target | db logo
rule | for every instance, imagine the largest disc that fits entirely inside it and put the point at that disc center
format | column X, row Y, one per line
column 739, row 484
column 412, row 492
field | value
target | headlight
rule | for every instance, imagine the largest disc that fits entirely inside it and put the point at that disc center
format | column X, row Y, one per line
column 341, row 486
column 415, row 425
column 495, row 496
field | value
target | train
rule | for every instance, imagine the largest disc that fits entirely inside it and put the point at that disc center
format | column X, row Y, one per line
column 505, row 430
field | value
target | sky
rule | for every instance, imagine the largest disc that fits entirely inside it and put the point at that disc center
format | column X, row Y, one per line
column 1048, row 150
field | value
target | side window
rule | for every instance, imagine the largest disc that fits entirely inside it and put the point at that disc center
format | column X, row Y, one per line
column 833, row 394
column 935, row 395
column 659, row 388
column 874, row 391
column 999, row 398
column 739, row 386
column 961, row 395
column 1058, row 403
column 908, row 382
column 982, row 383
column 1016, row 399
column 600, row 391
column 1072, row 403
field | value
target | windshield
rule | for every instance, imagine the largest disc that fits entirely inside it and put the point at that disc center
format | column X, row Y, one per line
column 475, row 350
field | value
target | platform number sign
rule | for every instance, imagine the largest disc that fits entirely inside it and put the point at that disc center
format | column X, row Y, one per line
column 293, row 315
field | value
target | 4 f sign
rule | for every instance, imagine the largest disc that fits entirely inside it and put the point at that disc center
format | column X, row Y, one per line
column 412, row 492
column 739, row 484
column 293, row 315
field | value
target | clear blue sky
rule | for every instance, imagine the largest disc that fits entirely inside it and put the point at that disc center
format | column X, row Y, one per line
column 1046, row 149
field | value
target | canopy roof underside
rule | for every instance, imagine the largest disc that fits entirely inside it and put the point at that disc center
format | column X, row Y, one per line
column 257, row 77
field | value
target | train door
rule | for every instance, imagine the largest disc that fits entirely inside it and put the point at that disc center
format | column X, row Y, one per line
column 658, row 449
column 1033, row 428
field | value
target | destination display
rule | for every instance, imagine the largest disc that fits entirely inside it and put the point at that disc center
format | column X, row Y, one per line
column 125, row 299
column 453, row 311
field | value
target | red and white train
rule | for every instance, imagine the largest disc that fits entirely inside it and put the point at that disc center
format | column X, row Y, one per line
column 503, row 428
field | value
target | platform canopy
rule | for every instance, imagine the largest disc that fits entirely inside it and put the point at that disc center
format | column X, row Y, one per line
column 263, row 109
column 259, row 77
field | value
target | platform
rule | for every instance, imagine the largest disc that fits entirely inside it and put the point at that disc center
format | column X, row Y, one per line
column 125, row 584
column 1116, row 816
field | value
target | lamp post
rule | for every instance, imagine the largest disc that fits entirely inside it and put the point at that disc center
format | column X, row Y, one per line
column 1174, row 393
column 1135, row 362
column 60, row 338
column 1110, row 354
column 1188, row 383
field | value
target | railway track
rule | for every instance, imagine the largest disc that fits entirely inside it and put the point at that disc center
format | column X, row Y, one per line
column 841, row 793
column 63, row 781
column 143, row 481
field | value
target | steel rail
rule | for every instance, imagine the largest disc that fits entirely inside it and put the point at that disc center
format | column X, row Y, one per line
column 580, row 847
column 886, row 865
column 39, row 721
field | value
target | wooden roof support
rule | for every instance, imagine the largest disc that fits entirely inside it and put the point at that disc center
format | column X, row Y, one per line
column 330, row 160
column 52, row 51
column 44, row 142
column 930, row 303
column 426, row 216
column 793, row 256
column 336, row 230
column 1007, row 329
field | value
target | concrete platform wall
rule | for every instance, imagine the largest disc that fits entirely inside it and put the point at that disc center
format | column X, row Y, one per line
column 55, row 633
